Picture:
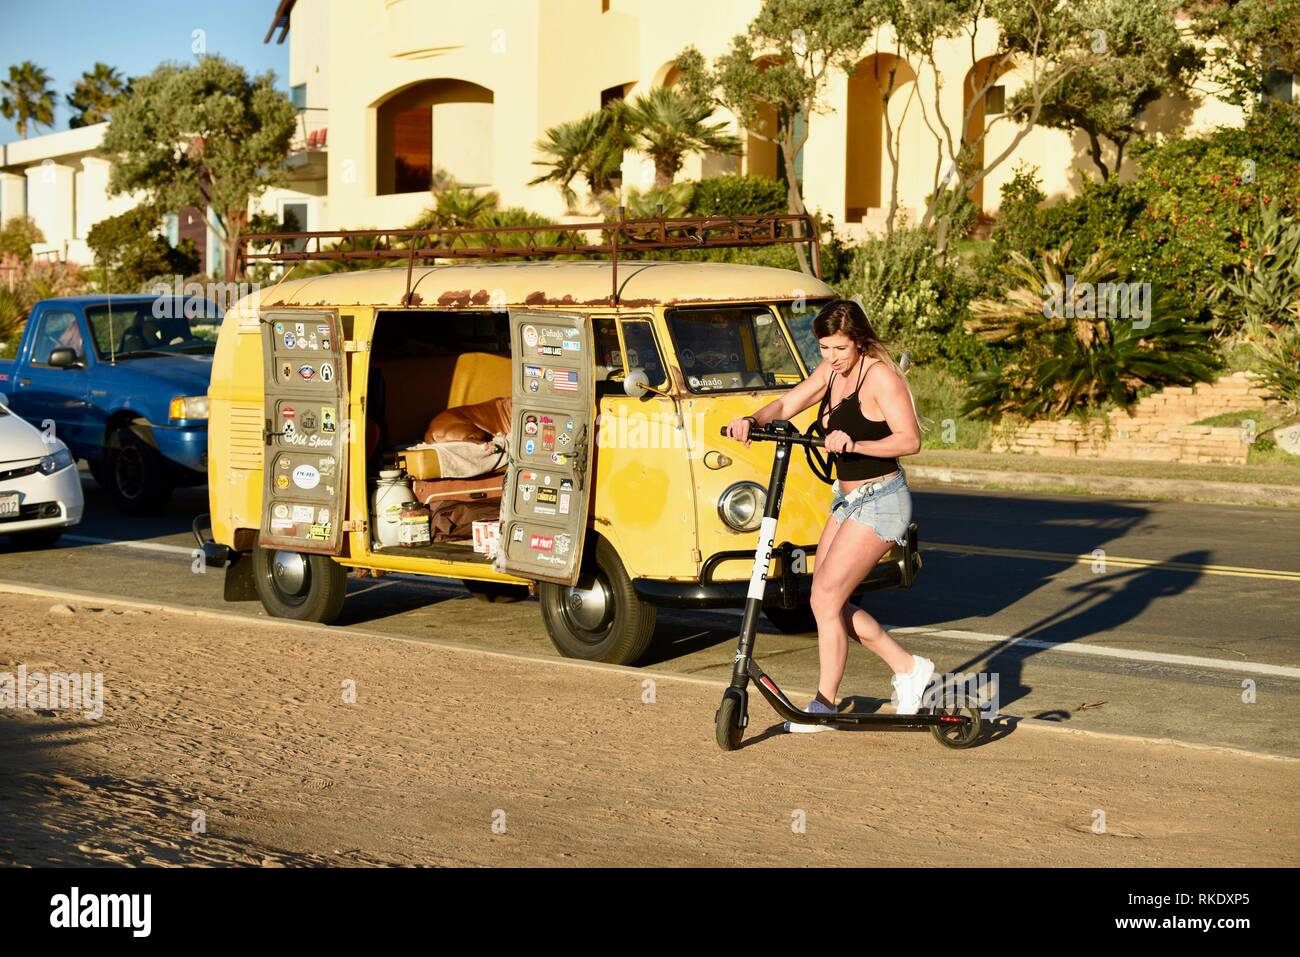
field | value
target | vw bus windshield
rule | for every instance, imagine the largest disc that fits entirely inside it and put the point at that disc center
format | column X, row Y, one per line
column 798, row 318
column 732, row 349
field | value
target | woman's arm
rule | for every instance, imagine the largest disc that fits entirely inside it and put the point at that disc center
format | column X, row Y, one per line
column 895, row 401
column 787, row 406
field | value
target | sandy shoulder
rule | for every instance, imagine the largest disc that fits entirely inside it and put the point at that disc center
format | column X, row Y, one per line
column 456, row 757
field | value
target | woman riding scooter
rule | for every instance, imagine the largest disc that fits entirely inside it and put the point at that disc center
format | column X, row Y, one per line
column 869, row 420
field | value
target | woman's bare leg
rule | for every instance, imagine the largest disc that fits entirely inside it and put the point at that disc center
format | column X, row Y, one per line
column 853, row 550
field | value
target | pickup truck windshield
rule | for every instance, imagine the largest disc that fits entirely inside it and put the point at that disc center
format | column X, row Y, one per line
column 732, row 349
column 154, row 327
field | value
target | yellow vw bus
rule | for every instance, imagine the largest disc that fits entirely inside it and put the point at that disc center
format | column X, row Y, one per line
column 603, row 486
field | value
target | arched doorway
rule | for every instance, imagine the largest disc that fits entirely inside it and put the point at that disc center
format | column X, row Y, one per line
column 877, row 81
column 444, row 123
column 982, row 97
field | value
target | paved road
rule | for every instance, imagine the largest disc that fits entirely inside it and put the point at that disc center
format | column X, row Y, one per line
column 1183, row 612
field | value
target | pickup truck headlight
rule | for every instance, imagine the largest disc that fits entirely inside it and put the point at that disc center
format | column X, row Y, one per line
column 188, row 407
column 741, row 506
column 56, row 462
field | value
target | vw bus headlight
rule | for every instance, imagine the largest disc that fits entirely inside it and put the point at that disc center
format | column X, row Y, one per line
column 741, row 506
column 188, row 407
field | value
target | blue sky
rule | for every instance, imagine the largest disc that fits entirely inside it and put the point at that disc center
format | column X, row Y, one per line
column 66, row 37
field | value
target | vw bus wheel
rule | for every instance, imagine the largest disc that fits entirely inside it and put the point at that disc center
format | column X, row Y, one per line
column 299, row 586
column 600, row 618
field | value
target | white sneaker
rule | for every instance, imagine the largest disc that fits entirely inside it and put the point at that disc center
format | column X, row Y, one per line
column 816, row 707
column 909, row 688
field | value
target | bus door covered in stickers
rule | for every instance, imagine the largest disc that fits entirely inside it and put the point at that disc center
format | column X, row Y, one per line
column 305, row 450
column 548, row 482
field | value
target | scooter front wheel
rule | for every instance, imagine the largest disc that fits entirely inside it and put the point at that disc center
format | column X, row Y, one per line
column 727, row 725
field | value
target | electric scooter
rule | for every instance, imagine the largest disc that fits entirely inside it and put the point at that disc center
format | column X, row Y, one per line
column 955, row 723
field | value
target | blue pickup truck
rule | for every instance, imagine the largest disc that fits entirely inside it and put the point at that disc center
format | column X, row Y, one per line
column 124, row 379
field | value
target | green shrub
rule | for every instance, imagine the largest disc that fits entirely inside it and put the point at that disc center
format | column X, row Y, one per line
column 17, row 236
column 735, row 195
column 134, row 253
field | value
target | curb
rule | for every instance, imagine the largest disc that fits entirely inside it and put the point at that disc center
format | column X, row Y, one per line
column 1183, row 490
column 1015, row 722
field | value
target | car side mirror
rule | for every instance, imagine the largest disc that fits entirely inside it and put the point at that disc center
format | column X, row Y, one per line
column 636, row 383
column 64, row 358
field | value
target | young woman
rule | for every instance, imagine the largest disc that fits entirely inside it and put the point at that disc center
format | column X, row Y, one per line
column 869, row 420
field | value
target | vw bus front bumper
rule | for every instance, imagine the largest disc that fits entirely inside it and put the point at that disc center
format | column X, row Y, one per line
column 785, row 589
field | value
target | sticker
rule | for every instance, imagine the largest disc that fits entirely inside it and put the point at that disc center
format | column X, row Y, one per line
column 311, row 343
column 566, row 380
column 566, row 485
column 550, row 351
column 288, row 412
column 565, row 438
column 309, row 420
column 564, row 503
column 324, row 516
column 571, row 332
column 529, row 446
column 518, row 535
column 530, row 336
column 633, row 357
column 548, row 438
column 306, row 477
column 326, row 372
column 532, row 371
column 279, row 328
column 558, row 458
column 562, row 543
column 324, row 331
column 282, row 482
column 283, row 462
column 280, row 510
column 546, row 480
column 547, row 496
column 543, row 510
column 300, row 328
column 281, row 523
column 549, row 375
column 571, row 344
column 526, row 492
column 530, row 425
column 324, row 343
column 289, row 432
column 289, row 340
column 286, row 371
column 306, row 371
column 688, row 357
column 326, row 465
column 303, row 513
column 327, row 423
column 569, row 425
column 532, row 385
column 543, row 543
column 320, row 531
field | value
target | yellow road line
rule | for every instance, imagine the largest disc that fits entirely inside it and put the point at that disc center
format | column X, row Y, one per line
column 1117, row 561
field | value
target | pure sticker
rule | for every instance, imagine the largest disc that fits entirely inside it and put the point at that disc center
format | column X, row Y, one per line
column 306, row 477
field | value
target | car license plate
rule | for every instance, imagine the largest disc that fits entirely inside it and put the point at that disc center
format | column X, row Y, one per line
column 9, row 505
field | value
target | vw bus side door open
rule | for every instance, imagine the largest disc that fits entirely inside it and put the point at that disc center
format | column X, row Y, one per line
column 552, row 437
column 304, row 461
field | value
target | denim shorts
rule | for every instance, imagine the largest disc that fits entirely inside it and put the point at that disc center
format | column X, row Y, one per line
column 886, row 508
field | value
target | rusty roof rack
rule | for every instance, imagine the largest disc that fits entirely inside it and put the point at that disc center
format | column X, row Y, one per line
column 616, row 236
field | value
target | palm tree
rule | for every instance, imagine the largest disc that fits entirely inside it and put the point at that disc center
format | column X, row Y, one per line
column 95, row 95
column 668, row 124
column 591, row 147
column 28, row 99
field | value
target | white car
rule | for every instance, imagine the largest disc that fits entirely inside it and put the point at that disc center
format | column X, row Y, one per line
column 40, row 490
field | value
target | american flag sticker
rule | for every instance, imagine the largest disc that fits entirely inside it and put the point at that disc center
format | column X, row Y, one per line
column 566, row 380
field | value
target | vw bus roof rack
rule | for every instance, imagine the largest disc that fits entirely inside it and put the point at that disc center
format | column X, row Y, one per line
column 616, row 237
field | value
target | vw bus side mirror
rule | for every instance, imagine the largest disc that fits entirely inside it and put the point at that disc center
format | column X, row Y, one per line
column 636, row 383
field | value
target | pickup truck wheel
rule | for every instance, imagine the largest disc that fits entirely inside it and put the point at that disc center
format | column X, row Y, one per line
column 137, row 474
column 299, row 586
column 600, row 618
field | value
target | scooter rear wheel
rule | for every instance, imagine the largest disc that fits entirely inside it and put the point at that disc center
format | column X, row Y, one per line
column 955, row 735
column 727, row 725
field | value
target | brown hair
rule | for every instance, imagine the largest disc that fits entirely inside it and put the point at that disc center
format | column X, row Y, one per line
column 848, row 317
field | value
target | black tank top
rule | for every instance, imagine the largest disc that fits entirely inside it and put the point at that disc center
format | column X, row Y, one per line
column 847, row 417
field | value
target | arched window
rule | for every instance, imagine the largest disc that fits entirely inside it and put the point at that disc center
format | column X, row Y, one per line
column 878, row 79
column 442, row 123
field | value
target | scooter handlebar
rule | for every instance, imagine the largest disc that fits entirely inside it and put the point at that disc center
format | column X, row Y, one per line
column 796, row 437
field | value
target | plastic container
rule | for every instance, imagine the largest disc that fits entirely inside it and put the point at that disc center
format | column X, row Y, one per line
column 413, row 525
column 392, row 492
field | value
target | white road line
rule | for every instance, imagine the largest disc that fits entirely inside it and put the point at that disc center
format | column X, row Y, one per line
column 1103, row 651
column 145, row 546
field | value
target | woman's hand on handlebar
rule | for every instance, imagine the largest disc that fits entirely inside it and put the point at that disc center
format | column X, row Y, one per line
column 738, row 429
column 838, row 441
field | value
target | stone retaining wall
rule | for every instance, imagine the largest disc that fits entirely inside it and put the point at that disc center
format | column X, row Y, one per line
column 1158, row 428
